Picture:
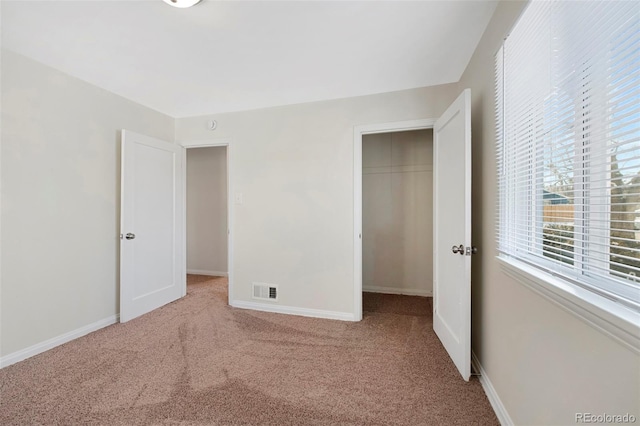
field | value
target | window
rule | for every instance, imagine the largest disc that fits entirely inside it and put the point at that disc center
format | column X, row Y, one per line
column 568, row 117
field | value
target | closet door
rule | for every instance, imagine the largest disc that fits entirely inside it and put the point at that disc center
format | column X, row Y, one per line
column 452, row 232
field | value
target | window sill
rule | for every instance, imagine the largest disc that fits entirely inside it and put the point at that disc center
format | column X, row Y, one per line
column 617, row 321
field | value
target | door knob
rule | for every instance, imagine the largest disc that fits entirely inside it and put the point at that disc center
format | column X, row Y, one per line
column 130, row 236
column 458, row 249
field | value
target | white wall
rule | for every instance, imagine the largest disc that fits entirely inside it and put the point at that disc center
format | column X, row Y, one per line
column 294, row 167
column 397, row 212
column 545, row 363
column 60, row 200
column 207, row 210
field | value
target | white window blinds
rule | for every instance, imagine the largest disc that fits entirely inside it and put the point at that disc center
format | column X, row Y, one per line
column 568, row 114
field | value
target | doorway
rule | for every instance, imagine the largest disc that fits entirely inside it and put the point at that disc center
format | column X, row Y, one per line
column 452, row 246
column 359, row 134
column 397, row 213
column 208, row 211
column 206, row 214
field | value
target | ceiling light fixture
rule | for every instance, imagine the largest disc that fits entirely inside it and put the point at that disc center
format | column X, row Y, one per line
column 182, row 3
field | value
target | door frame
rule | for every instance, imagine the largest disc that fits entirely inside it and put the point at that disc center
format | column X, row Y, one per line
column 226, row 142
column 358, row 132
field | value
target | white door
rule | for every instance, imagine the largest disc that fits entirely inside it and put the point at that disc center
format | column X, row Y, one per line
column 452, row 232
column 151, row 264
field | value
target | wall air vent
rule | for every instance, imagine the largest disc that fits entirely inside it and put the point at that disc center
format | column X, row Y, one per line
column 264, row 291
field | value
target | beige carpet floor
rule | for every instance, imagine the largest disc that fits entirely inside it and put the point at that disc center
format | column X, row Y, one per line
column 199, row 362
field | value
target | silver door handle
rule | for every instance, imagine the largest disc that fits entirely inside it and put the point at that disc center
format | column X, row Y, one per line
column 130, row 236
column 458, row 249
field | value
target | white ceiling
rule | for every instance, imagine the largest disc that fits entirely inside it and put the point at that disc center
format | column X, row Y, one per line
column 222, row 56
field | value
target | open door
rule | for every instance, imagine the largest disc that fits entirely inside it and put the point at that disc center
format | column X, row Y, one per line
column 452, row 232
column 151, row 258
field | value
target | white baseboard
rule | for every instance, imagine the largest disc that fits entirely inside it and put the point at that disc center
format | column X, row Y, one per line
column 492, row 395
column 38, row 348
column 290, row 310
column 208, row 273
column 395, row 290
